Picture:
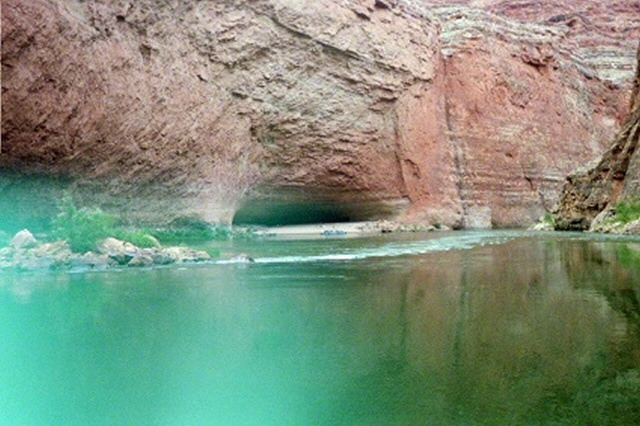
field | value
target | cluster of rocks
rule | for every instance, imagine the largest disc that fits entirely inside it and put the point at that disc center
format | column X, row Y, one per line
column 605, row 223
column 542, row 224
column 26, row 253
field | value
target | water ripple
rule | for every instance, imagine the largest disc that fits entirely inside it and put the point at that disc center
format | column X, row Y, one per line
column 455, row 242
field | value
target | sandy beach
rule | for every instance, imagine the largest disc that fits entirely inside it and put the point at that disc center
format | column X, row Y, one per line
column 322, row 229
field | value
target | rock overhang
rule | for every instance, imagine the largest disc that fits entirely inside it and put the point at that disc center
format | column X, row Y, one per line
column 295, row 206
column 199, row 102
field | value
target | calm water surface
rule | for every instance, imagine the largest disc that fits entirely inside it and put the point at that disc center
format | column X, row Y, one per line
column 439, row 329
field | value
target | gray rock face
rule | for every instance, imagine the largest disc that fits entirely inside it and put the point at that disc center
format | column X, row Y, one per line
column 632, row 228
column 111, row 252
column 41, row 256
column 141, row 260
column 23, row 239
column 125, row 253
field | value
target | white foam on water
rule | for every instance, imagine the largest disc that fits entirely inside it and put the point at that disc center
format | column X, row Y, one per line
column 455, row 242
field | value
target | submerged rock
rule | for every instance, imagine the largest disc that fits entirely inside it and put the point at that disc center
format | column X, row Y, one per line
column 333, row 232
column 185, row 254
column 243, row 258
column 141, row 260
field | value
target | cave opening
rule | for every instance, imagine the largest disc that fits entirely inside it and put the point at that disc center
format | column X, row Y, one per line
column 305, row 212
column 262, row 213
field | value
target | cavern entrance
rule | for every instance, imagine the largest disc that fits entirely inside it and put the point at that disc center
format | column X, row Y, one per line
column 300, row 213
column 304, row 212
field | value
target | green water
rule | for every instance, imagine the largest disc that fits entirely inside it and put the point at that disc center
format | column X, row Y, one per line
column 441, row 329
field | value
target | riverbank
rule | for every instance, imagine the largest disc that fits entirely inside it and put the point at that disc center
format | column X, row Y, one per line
column 25, row 252
column 621, row 219
column 353, row 228
column 346, row 229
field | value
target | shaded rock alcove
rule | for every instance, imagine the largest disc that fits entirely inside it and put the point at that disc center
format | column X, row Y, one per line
column 286, row 207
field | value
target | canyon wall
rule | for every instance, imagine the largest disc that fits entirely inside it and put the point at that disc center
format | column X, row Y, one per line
column 462, row 113
column 612, row 178
column 531, row 86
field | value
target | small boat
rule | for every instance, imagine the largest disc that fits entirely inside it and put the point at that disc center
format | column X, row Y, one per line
column 330, row 232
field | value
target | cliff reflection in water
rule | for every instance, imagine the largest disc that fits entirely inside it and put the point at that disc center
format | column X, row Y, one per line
column 533, row 331
column 537, row 330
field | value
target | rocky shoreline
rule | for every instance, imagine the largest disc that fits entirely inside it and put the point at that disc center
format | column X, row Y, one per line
column 604, row 224
column 350, row 228
column 26, row 253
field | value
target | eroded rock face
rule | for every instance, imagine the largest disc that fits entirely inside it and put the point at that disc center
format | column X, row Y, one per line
column 601, row 36
column 531, row 86
column 614, row 177
column 456, row 115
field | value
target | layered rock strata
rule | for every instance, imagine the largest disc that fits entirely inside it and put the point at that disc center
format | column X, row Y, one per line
column 612, row 178
column 528, row 91
column 458, row 115
column 599, row 36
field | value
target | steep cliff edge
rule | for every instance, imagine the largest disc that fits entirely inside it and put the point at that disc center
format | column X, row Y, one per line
column 462, row 115
column 613, row 178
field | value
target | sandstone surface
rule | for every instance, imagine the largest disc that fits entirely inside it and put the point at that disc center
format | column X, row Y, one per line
column 531, row 86
column 458, row 113
column 594, row 189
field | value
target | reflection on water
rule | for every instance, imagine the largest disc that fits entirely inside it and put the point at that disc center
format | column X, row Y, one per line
column 536, row 330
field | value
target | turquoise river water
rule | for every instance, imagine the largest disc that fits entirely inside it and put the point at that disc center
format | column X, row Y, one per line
column 456, row 328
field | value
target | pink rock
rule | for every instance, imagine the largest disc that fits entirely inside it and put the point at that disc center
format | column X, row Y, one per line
column 165, row 109
column 592, row 191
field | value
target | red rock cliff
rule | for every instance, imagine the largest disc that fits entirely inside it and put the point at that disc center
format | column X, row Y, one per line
column 460, row 115
column 612, row 178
